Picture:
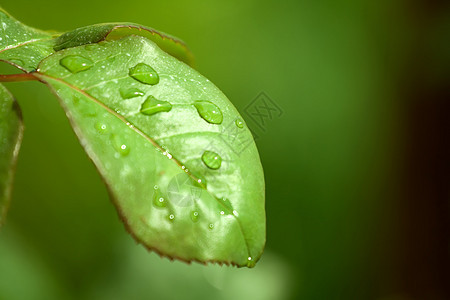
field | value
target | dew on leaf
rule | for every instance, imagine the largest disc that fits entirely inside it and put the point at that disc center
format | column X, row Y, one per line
column 158, row 201
column 171, row 217
column 144, row 73
column 251, row 263
column 194, row 216
column 119, row 145
column 101, row 127
column 239, row 123
column 209, row 112
column 212, row 160
column 152, row 106
column 76, row 63
column 211, row 226
column 128, row 93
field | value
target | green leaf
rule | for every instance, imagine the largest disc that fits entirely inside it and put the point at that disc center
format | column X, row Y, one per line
column 11, row 130
column 114, row 31
column 22, row 46
column 147, row 139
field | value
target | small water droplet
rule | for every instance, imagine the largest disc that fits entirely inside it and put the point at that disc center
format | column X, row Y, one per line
column 222, row 212
column 235, row 213
column 212, row 160
column 155, row 187
column 209, row 112
column 76, row 63
column 158, row 201
column 194, row 216
column 250, row 262
column 144, row 73
column 128, row 93
column 239, row 123
column 171, row 217
column 152, row 106
column 119, row 145
column 211, row 226
column 101, row 127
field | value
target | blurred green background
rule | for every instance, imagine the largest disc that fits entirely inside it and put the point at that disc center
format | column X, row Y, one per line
column 356, row 165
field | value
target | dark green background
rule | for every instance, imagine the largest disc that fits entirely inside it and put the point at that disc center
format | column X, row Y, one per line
column 357, row 207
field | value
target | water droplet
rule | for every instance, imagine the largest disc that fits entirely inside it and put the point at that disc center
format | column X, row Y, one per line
column 222, row 212
column 152, row 106
column 211, row 226
column 239, row 123
column 209, row 111
column 250, row 262
column 101, row 127
column 76, row 63
column 155, row 187
column 158, row 201
column 194, row 216
column 128, row 93
column 144, row 73
column 235, row 213
column 212, row 160
column 171, row 217
column 119, row 145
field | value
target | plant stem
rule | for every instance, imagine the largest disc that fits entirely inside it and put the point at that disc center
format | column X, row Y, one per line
column 17, row 77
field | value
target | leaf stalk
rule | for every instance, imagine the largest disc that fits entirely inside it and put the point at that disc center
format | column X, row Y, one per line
column 18, row 77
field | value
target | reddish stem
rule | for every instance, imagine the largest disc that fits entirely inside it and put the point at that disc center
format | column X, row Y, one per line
column 18, row 77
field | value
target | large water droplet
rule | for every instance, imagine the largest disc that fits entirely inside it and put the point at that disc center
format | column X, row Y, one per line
column 76, row 63
column 239, row 123
column 152, row 106
column 144, row 73
column 209, row 111
column 119, row 145
column 212, row 160
column 128, row 93
column 194, row 216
